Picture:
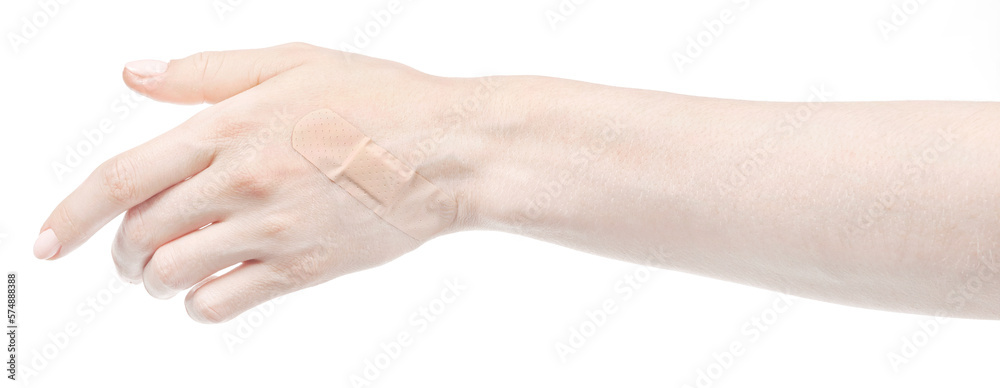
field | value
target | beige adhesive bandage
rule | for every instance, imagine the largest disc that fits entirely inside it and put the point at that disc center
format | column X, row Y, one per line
column 383, row 183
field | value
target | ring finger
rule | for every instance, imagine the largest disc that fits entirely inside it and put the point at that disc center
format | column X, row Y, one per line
column 174, row 212
column 184, row 262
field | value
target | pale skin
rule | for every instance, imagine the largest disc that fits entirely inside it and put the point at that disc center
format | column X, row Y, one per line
column 884, row 205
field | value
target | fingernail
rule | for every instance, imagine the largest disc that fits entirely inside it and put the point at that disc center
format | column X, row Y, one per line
column 146, row 67
column 47, row 245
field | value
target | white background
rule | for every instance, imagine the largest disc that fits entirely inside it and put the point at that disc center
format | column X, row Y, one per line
column 523, row 296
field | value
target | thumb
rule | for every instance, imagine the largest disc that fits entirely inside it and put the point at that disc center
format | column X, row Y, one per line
column 213, row 76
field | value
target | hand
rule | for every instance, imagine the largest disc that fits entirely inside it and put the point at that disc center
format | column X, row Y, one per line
column 231, row 167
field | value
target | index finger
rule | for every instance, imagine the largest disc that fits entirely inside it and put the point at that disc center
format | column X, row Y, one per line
column 120, row 183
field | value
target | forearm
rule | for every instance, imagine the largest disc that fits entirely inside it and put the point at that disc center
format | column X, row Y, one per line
column 888, row 205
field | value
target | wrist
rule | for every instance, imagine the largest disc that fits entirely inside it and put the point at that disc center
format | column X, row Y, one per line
column 541, row 150
column 496, row 148
column 458, row 151
column 511, row 166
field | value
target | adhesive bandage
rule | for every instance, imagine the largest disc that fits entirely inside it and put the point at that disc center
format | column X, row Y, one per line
column 376, row 178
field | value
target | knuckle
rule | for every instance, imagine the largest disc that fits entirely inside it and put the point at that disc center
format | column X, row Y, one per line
column 118, row 179
column 201, row 63
column 299, row 272
column 134, row 232
column 164, row 267
column 275, row 226
column 248, row 183
column 205, row 67
column 204, row 308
